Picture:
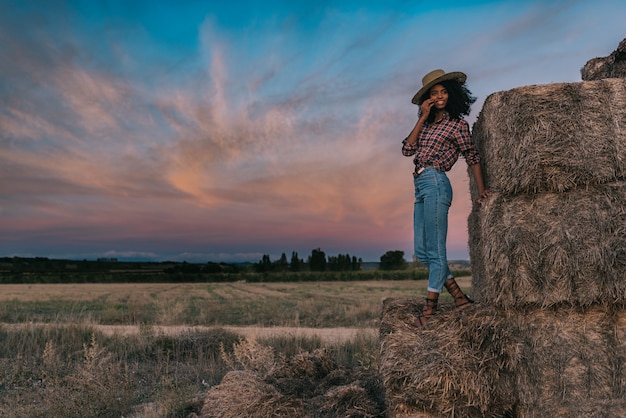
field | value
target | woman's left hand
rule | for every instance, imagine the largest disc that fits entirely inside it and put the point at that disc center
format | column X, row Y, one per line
column 483, row 195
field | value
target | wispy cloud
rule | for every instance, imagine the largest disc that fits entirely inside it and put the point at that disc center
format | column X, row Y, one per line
column 280, row 133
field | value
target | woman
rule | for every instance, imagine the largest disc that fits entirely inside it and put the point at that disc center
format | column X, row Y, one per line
column 438, row 138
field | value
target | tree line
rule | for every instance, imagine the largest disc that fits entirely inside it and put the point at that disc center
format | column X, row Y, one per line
column 317, row 261
column 316, row 267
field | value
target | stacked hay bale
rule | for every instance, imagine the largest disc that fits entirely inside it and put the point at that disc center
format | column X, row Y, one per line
column 554, row 232
column 612, row 66
column 548, row 252
column 550, row 247
column 456, row 366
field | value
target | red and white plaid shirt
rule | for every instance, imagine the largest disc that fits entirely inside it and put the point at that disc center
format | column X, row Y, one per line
column 439, row 144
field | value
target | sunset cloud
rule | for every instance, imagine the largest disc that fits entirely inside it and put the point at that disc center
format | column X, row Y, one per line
column 219, row 133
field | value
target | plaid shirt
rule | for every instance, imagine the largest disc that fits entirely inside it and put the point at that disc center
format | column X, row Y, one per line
column 439, row 144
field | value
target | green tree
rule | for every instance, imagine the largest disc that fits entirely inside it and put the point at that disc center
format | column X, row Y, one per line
column 296, row 263
column 211, row 267
column 265, row 265
column 281, row 264
column 317, row 260
column 356, row 264
column 393, row 260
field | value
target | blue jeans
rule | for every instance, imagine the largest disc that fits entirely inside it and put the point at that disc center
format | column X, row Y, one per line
column 433, row 197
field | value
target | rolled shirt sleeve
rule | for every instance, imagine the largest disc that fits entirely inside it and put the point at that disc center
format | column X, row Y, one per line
column 465, row 143
column 407, row 148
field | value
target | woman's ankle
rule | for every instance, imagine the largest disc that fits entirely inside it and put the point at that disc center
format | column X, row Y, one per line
column 432, row 300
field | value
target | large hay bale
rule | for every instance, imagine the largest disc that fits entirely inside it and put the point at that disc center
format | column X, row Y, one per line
column 455, row 366
column 606, row 67
column 554, row 137
column 486, row 361
column 548, row 253
column 243, row 394
column 571, row 363
column 551, row 248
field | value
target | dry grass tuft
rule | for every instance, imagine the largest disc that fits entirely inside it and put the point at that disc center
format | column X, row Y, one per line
column 98, row 386
column 250, row 356
column 245, row 394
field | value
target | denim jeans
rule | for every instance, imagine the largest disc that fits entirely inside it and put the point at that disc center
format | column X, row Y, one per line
column 433, row 196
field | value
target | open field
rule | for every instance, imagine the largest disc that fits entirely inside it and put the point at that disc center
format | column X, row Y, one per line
column 302, row 304
column 154, row 350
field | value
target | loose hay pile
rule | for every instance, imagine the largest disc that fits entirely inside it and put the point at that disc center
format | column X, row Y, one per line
column 307, row 385
column 548, row 252
column 243, row 393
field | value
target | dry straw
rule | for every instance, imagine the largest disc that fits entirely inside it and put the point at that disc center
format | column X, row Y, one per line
column 489, row 362
column 244, row 394
column 550, row 249
column 455, row 366
column 570, row 363
column 306, row 385
column 554, row 137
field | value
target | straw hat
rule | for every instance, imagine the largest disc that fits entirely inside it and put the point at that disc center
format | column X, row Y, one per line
column 435, row 77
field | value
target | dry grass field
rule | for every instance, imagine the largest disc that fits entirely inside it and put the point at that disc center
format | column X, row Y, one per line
column 303, row 304
column 153, row 350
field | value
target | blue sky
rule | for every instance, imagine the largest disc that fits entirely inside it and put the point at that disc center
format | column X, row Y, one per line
column 222, row 131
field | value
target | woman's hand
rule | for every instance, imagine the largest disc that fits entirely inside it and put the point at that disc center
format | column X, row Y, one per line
column 483, row 195
column 423, row 115
column 425, row 107
column 483, row 192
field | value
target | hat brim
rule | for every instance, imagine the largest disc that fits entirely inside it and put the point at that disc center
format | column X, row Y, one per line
column 456, row 75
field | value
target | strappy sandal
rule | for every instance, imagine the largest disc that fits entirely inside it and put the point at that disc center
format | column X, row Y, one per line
column 461, row 300
column 429, row 310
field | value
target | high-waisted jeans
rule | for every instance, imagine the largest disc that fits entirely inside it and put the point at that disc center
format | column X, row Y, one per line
column 433, row 197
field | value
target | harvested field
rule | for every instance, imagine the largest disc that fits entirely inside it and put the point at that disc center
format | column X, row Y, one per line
column 266, row 305
column 74, row 358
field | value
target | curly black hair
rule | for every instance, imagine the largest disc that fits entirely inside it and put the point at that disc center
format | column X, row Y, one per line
column 460, row 100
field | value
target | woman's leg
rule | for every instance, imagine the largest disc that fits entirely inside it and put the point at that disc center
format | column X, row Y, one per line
column 419, row 240
column 461, row 300
column 436, row 192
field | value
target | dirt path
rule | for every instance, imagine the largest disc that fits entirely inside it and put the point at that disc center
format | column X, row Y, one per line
column 327, row 335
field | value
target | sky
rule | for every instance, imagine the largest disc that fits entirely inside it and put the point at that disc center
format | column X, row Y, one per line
column 225, row 130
